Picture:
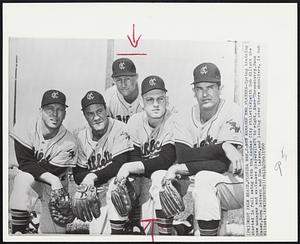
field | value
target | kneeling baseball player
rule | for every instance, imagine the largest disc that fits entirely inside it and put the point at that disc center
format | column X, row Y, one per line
column 103, row 147
column 208, row 141
column 154, row 152
column 44, row 151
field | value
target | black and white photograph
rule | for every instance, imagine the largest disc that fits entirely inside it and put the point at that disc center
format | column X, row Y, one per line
column 137, row 138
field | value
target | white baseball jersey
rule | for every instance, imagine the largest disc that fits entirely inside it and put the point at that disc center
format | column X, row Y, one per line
column 118, row 107
column 149, row 139
column 225, row 125
column 96, row 155
column 60, row 150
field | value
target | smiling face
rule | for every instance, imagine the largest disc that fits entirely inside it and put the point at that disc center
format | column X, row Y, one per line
column 53, row 115
column 126, row 85
column 155, row 103
column 96, row 116
column 207, row 95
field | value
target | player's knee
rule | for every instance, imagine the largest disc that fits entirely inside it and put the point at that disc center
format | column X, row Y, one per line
column 205, row 178
column 157, row 176
column 23, row 181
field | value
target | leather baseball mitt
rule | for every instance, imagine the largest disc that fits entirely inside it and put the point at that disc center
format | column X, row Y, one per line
column 86, row 203
column 123, row 196
column 60, row 207
column 170, row 198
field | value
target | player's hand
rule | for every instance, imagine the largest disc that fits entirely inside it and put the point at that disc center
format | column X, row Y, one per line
column 89, row 179
column 55, row 183
column 123, row 172
column 235, row 157
column 171, row 174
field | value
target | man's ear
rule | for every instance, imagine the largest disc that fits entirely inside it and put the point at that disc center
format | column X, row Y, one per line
column 142, row 102
column 194, row 92
column 167, row 101
column 220, row 89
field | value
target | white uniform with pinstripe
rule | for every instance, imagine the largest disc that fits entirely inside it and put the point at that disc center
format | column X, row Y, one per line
column 221, row 191
column 95, row 155
column 118, row 108
column 150, row 141
column 60, row 151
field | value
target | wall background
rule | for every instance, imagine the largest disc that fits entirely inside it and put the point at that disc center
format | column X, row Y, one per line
column 75, row 66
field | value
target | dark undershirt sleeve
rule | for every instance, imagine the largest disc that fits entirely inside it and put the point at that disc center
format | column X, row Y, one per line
column 135, row 154
column 210, row 157
column 209, row 165
column 166, row 158
column 112, row 169
column 29, row 164
column 79, row 173
column 103, row 175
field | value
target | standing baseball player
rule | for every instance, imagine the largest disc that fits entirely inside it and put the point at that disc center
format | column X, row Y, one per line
column 123, row 98
column 151, row 132
column 208, row 141
column 44, row 151
column 103, row 148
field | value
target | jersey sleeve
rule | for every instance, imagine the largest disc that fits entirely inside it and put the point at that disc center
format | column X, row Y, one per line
column 122, row 141
column 168, row 137
column 107, row 97
column 232, row 128
column 181, row 132
column 82, row 159
column 66, row 152
column 23, row 133
column 131, row 128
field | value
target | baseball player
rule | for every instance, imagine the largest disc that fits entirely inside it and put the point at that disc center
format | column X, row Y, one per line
column 44, row 151
column 151, row 132
column 208, row 141
column 103, row 145
column 123, row 98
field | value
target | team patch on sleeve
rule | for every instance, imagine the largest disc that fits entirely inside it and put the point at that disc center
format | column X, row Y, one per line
column 66, row 152
column 122, row 141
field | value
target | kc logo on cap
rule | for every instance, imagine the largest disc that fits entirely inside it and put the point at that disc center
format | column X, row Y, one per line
column 207, row 72
column 203, row 70
column 121, row 65
column 54, row 95
column 152, row 82
column 90, row 96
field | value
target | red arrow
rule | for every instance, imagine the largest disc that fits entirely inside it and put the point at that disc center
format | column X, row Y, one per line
column 134, row 43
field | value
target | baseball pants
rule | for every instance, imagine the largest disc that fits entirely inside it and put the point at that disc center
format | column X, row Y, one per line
column 147, row 190
column 101, row 225
column 213, row 192
column 21, row 199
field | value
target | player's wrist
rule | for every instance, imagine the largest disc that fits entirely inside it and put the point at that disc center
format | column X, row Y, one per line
column 173, row 169
column 90, row 179
column 56, row 183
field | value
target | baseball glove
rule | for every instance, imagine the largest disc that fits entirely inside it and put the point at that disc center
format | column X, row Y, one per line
column 60, row 207
column 86, row 203
column 170, row 198
column 123, row 196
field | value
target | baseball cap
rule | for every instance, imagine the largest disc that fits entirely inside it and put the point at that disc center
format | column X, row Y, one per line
column 91, row 97
column 152, row 82
column 207, row 72
column 123, row 66
column 53, row 96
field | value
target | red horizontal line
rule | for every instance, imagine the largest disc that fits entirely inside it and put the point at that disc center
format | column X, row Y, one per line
column 127, row 54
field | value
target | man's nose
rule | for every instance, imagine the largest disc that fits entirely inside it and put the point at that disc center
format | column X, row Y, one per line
column 123, row 83
column 96, row 116
column 205, row 93
column 155, row 102
column 54, row 112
